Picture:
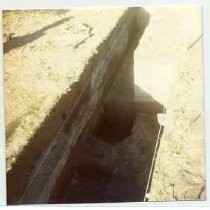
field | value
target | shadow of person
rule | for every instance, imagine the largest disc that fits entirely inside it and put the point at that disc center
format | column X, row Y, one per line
column 19, row 41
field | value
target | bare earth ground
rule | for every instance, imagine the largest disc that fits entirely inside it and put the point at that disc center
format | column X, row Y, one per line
column 37, row 46
column 115, row 172
column 167, row 67
column 173, row 43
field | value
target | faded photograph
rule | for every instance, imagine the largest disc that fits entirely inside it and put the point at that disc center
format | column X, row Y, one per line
column 104, row 105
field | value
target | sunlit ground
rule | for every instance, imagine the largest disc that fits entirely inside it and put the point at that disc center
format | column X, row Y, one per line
column 168, row 66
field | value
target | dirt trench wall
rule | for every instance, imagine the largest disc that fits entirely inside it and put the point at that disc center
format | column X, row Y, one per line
column 113, row 99
column 32, row 181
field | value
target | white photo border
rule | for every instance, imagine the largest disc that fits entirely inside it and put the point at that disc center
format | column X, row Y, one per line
column 63, row 4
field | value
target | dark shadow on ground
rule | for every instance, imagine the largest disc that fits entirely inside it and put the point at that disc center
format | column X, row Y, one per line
column 100, row 170
column 114, row 164
column 90, row 34
column 119, row 171
column 20, row 41
column 145, row 103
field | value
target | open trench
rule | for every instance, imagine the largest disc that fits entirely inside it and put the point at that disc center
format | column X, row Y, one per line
column 99, row 141
column 109, row 171
column 113, row 164
column 105, row 148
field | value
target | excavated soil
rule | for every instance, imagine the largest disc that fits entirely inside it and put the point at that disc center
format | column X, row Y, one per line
column 115, row 172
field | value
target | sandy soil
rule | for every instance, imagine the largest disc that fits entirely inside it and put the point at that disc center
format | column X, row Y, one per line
column 115, row 171
column 167, row 70
column 113, row 165
column 37, row 46
column 170, row 54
